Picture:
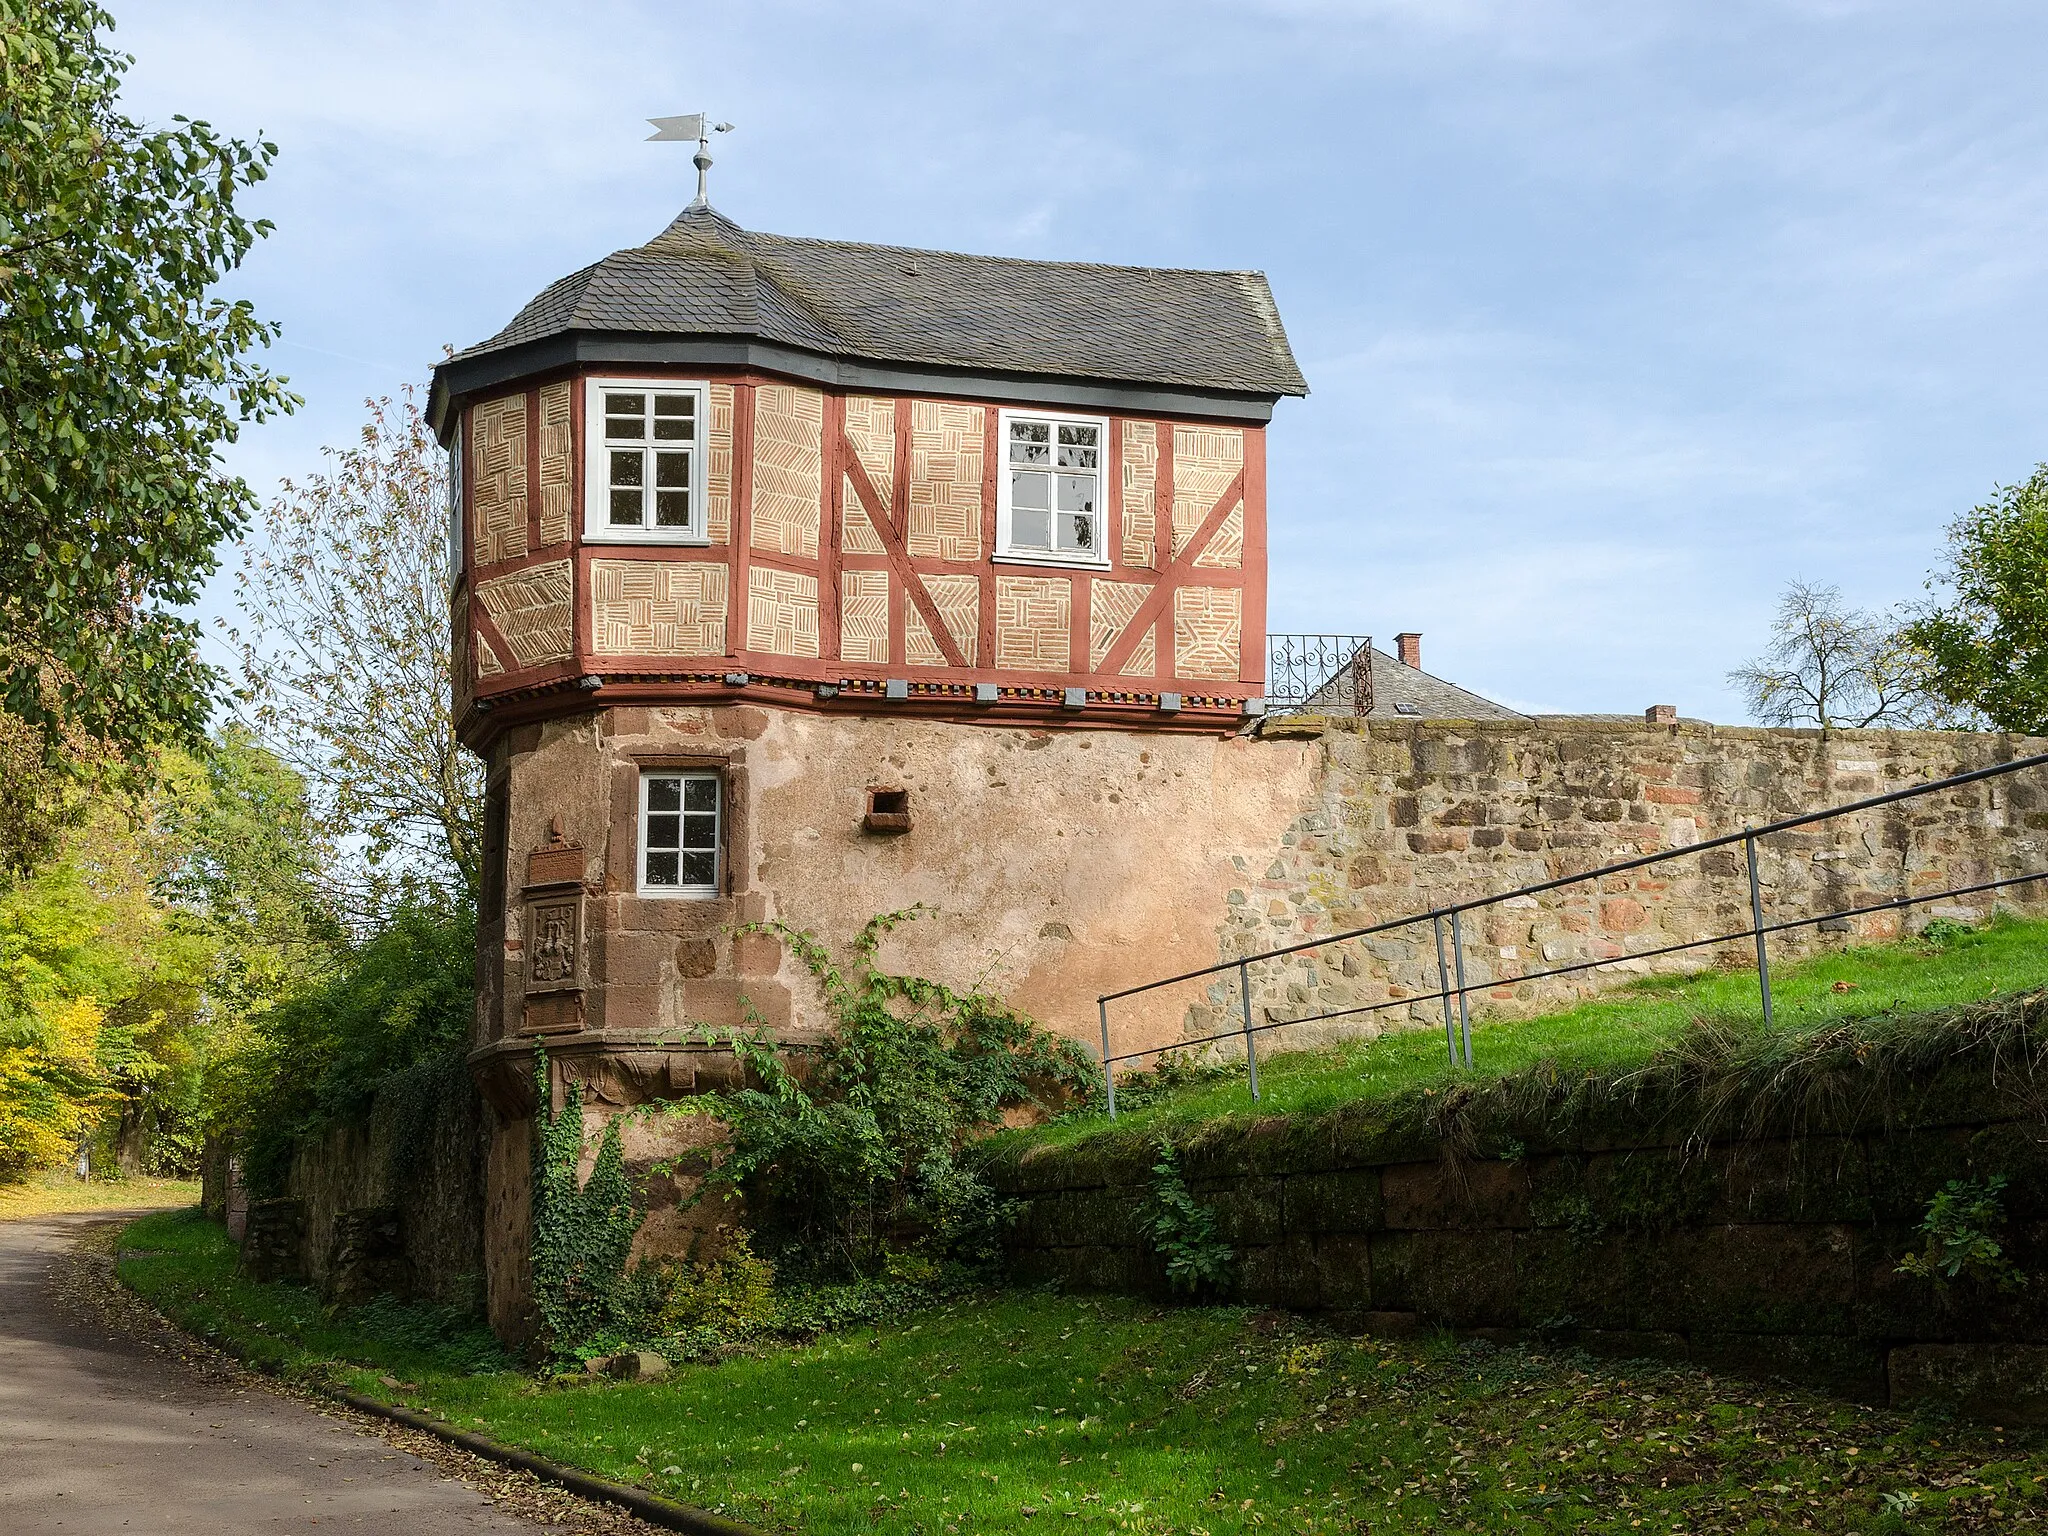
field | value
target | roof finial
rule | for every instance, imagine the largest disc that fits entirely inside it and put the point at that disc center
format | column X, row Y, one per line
column 691, row 125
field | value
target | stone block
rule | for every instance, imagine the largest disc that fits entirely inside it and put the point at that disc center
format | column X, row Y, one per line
column 2003, row 1383
column 1346, row 1201
column 1451, row 1279
column 367, row 1257
column 1283, row 1274
column 1749, row 1279
column 1565, row 1282
column 1344, row 1261
column 1247, row 1210
column 1818, row 1178
column 1474, row 1193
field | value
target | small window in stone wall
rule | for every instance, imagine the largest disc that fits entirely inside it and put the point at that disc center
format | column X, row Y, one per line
column 681, row 818
column 888, row 811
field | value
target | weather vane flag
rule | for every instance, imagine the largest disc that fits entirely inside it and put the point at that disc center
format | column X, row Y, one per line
column 680, row 130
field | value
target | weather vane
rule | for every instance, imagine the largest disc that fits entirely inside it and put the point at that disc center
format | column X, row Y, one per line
column 691, row 125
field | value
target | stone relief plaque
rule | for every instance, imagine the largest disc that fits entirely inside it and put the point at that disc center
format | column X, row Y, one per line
column 554, row 942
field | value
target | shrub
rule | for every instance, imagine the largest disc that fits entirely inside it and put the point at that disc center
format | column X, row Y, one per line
column 1183, row 1231
column 856, row 1154
column 1958, row 1228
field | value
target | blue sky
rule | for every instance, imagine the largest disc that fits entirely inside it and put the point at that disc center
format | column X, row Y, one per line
column 1618, row 316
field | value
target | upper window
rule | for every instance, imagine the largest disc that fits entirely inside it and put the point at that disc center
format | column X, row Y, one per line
column 455, row 561
column 680, row 821
column 645, row 466
column 1051, row 500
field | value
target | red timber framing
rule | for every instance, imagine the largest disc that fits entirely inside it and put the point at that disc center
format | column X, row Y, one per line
column 1041, row 696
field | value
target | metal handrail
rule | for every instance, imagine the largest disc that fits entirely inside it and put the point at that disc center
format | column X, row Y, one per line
column 1459, row 1033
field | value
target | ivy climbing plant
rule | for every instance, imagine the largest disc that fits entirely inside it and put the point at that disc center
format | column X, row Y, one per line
column 852, row 1155
column 583, row 1232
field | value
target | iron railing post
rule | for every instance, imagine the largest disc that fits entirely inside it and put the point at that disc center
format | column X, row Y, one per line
column 1443, row 987
column 1756, row 926
column 1108, row 1071
column 1464, row 1013
column 1251, row 1046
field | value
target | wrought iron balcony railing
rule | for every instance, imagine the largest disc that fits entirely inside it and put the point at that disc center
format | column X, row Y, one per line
column 1333, row 672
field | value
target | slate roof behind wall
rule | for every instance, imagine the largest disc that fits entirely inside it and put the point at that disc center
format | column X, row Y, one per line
column 1395, row 684
column 705, row 276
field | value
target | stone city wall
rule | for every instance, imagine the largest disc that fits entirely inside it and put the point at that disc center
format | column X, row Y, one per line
column 1405, row 816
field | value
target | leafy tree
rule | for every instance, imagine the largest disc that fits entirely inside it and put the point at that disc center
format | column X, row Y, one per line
column 1987, row 649
column 120, row 378
column 345, row 658
column 1833, row 666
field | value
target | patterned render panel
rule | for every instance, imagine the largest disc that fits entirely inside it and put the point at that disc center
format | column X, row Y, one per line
column 958, row 599
column 1115, row 603
column 497, row 459
column 487, row 663
column 871, row 430
column 1206, row 621
column 789, row 476
column 531, row 609
column 782, row 612
column 555, row 482
column 658, row 607
column 1034, row 630
column 1205, row 460
column 946, row 453
column 1141, row 487
column 718, row 466
column 864, row 616
column 1225, row 550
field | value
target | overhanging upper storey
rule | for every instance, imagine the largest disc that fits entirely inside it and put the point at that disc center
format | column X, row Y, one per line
column 856, row 477
column 891, row 320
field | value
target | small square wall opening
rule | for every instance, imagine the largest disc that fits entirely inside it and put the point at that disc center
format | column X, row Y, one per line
column 888, row 811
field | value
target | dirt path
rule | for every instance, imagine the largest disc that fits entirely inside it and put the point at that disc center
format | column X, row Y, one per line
column 110, row 1420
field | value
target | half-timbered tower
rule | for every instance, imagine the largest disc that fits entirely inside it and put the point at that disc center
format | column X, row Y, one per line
column 805, row 579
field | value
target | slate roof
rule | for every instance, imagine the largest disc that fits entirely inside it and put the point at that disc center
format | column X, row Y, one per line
column 1395, row 685
column 705, row 276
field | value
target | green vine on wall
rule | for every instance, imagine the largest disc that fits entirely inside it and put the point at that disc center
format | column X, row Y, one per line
column 582, row 1233
column 1958, row 1227
column 1183, row 1231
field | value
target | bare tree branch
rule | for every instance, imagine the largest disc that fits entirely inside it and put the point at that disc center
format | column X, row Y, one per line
column 345, row 658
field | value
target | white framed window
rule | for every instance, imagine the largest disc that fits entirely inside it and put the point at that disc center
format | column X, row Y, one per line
column 1049, row 501
column 644, row 461
column 682, row 815
column 455, row 560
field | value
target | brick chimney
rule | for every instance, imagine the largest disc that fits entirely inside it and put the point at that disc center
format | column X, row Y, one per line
column 1408, row 646
column 1661, row 714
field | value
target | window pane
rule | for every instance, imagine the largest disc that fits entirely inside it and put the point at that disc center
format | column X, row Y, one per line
column 672, row 471
column 1076, row 532
column 1077, row 493
column 629, row 468
column 1031, row 530
column 664, row 830
column 662, row 868
column 671, row 509
column 1077, row 447
column 624, row 429
column 624, row 405
column 700, row 831
column 1030, row 442
column 675, row 418
column 625, row 509
column 700, row 793
column 1029, row 491
column 700, row 868
column 664, row 794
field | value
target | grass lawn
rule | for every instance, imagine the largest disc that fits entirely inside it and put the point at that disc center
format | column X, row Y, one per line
column 50, row 1194
column 1008, row 1409
column 1620, row 1030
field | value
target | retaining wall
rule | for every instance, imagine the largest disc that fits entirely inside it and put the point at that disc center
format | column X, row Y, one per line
column 1776, row 1254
